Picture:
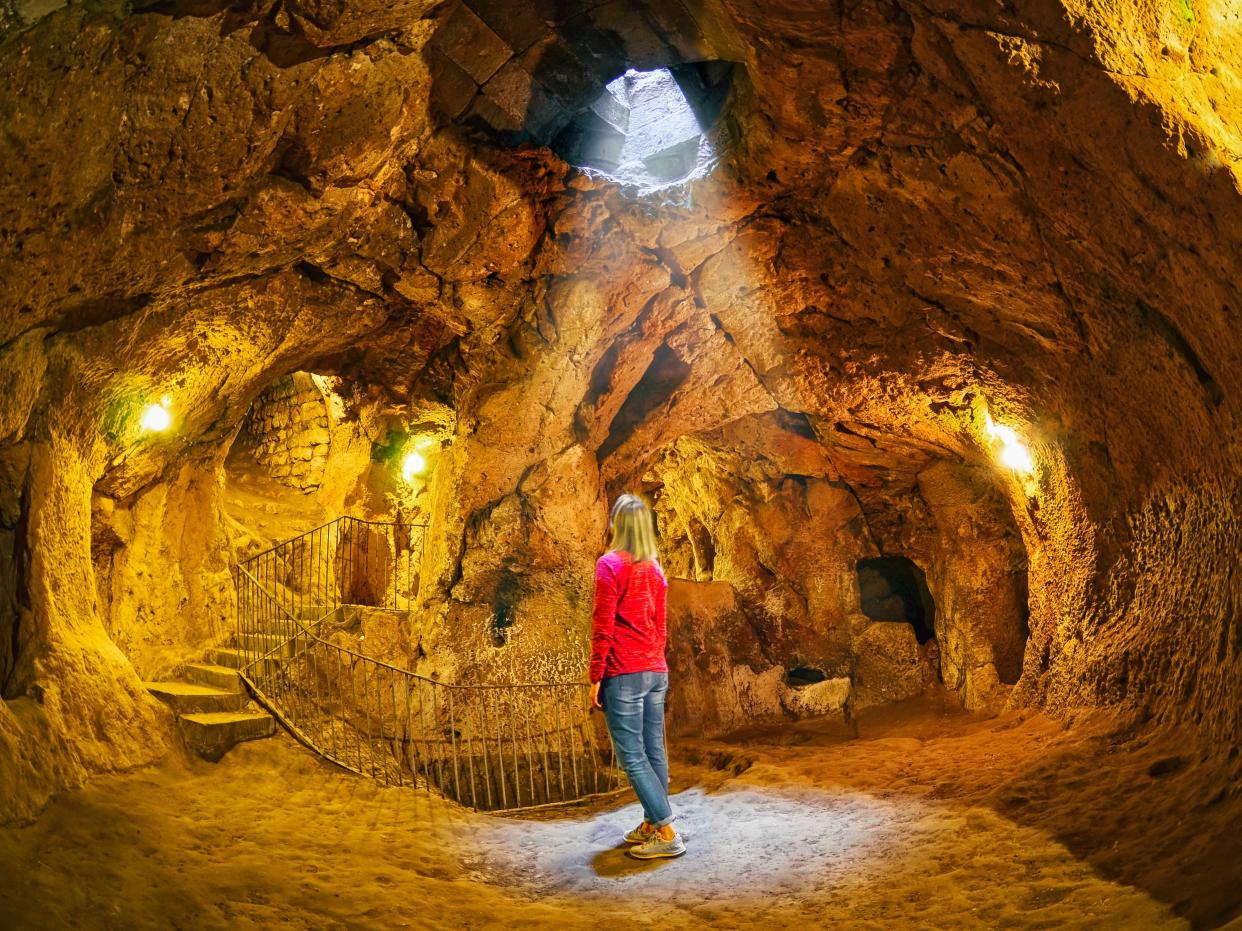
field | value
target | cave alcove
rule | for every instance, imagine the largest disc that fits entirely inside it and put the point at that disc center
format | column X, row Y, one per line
column 894, row 588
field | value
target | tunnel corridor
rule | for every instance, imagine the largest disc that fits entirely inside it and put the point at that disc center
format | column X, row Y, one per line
column 329, row 334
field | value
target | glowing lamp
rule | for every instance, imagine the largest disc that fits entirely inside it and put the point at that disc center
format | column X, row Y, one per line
column 156, row 418
column 1017, row 457
column 413, row 465
column 1012, row 454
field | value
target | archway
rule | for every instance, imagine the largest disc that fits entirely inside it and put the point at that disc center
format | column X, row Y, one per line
column 894, row 588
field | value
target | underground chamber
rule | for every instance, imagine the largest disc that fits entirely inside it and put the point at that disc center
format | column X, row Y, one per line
column 330, row 336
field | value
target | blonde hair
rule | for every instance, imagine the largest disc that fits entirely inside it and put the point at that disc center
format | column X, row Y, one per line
column 633, row 530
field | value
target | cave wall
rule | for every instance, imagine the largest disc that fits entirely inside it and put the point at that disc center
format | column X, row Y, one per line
column 978, row 579
column 762, row 506
column 1034, row 206
column 161, row 561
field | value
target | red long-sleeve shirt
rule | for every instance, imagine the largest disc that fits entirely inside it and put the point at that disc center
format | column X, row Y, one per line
column 629, row 625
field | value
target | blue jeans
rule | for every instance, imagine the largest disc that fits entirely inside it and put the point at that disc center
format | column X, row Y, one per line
column 634, row 709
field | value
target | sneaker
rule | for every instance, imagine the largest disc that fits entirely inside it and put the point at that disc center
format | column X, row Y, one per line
column 641, row 834
column 656, row 848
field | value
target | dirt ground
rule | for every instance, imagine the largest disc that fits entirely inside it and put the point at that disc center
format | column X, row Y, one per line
column 927, row 820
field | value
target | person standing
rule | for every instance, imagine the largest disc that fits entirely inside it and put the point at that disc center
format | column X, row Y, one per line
column 629, row 675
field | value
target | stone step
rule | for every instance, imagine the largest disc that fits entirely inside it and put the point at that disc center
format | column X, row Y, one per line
column 229, row 657
column 233, row 658
column 213, row 734
column 186, row 697
column 278, row 627
column 224, row 678
column 265, row 645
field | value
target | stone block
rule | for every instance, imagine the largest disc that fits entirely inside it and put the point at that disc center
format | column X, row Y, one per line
column 612, row 110
column 592, row 141
column 676, row 161
column 452, row 89
column 513, row 101
column 680, row 29
column 644, row 49
column 888, row 666
column 471, row 44
column 829, row 697
column 597, row 49
column 517, row 24
column 562, row 73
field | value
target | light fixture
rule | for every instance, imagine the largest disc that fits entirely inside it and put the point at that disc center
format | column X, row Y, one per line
column 1012, row 453
column 413, row 465
column 156, row 418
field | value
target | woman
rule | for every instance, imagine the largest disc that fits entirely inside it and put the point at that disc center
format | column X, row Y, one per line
column 629, row 677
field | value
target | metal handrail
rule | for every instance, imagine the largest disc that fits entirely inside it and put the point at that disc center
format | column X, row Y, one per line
column 490, row 746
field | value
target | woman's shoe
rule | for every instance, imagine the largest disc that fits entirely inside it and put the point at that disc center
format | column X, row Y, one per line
column 657, row 847
column 641, row 834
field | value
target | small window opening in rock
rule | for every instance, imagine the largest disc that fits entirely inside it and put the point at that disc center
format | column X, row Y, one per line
column 803, row 675
column 507, row 594
column 892, row 588
column 652, row 130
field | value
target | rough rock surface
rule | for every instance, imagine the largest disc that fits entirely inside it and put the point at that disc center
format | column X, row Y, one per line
column 931, row 210
column 289, row 432
column 889, row 665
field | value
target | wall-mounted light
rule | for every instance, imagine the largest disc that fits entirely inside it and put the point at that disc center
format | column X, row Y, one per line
column 1010, row 451
column 156, row 418
column 413, row 466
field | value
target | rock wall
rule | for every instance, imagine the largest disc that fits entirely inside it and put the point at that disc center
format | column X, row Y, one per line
column 161, row 561
column 721, row 680
column 765, row 508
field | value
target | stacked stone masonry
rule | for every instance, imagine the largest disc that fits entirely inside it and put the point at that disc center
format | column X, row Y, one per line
column 289, row 428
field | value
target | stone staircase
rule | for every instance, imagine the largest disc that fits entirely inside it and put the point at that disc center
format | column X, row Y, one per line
column 214, row 711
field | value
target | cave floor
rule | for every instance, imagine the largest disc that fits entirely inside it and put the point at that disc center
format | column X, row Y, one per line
column 927, row 820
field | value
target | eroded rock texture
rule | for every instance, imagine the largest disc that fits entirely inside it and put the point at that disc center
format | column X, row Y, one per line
column 929, row 212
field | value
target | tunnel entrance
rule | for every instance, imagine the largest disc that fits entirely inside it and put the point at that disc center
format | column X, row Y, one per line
column 893, row 588
column 313, row 447
column 287, row 433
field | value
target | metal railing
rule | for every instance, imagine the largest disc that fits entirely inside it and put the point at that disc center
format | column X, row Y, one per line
column 490, row 747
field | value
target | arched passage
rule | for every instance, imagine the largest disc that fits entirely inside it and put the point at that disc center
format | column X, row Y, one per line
column 894, row 588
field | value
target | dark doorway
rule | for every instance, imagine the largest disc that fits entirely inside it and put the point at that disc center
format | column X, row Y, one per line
column 892, row 588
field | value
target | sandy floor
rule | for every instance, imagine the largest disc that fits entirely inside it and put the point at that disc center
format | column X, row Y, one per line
column 926, row 821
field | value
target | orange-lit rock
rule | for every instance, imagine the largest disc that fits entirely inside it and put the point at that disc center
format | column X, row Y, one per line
column 926, row 213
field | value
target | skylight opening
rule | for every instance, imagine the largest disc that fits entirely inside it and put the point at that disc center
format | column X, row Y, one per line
column 652, row 132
